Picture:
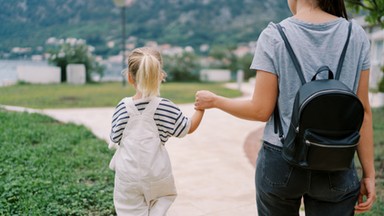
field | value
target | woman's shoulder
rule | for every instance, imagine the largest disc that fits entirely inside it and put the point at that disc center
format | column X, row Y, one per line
column 358, row 29
column 269, row 34
column 271, row 30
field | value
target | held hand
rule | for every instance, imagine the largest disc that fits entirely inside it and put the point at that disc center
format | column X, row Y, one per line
column 204, row 100
column 367, row 190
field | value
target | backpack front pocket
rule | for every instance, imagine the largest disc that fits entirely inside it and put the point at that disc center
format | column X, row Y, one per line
column 330, row 150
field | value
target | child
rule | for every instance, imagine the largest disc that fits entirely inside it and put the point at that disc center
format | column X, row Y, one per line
column 141, row 125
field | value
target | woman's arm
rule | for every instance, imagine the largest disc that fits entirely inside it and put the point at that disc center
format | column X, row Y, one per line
column 365, row 149
column 259, row 108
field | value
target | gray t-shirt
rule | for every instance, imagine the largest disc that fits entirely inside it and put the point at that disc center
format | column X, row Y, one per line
column 315, row 45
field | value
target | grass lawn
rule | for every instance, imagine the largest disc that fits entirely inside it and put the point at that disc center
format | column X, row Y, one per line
column 98, row 94
column 50, row 168
column 378, row 132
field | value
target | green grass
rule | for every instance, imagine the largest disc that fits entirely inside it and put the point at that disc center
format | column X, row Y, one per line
column 378, row 133
column 98, row 94
column 378, row 128
column 49, row 168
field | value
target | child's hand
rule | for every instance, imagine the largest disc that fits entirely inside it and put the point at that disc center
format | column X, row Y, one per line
column 198, row 108
column 112, row 145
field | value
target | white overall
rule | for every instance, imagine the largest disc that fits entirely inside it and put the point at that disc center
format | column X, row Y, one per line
column 144, row 184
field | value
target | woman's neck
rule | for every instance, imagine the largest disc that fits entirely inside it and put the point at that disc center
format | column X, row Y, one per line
column 312, row 14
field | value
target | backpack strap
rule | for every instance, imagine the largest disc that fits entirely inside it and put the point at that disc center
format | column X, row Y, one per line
column 296, row 61
column 342, row 57
column 278, row 127
column 292, row 54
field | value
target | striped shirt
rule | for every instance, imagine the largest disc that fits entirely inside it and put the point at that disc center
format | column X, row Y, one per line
column 168, row 117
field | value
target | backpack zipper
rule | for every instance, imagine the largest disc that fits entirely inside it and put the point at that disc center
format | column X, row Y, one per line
column 308, row 143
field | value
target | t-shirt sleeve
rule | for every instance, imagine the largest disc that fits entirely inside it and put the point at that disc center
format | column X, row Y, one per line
column 366, row 59
column 263, row 58
column 173, row 119
column 119, row 121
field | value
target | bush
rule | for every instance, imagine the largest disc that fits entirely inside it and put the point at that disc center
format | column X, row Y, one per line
column 183, row 67
column 381, row 83
column 225, row 58
column 74, row 51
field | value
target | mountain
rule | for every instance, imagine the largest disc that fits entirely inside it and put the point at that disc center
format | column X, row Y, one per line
column 29, row 23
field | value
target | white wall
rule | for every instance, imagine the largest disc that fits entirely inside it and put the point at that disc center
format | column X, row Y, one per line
column 39, row 74
column 215, row 75
column 76, row 74
column 377, row 58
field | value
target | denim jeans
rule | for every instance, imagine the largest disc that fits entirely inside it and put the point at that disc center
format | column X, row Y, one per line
column 280, row 188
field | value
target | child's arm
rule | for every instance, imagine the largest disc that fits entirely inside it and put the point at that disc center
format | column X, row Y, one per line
column 119, row 121
column 195, row 120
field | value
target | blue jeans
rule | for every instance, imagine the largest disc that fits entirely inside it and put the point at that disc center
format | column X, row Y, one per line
column 280, row 188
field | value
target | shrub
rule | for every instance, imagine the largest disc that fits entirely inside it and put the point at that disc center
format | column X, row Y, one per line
column 182, row 67
column 381, row 83
column 74, row 51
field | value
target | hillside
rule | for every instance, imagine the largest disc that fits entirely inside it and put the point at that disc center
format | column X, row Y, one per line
column 28, row 23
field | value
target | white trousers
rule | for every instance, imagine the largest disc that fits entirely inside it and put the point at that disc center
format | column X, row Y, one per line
column 143, row 199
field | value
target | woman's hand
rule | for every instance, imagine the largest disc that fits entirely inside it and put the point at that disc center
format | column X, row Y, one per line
column 367, row 192
column 205, row 100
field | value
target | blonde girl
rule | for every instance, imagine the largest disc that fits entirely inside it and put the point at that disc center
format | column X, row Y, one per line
column 141, row 125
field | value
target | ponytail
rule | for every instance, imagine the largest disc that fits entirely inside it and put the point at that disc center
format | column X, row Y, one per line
column 148, row 76
column 145, row 67
column 334, row 7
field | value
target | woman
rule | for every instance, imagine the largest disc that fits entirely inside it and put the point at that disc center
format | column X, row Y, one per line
column 318, row 25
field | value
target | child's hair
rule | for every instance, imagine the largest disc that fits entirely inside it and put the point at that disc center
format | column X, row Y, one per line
column 334, row 7
column 145, row 67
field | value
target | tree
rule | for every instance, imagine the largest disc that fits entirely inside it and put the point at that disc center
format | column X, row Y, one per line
column 375, row 16
column 243, row 63
column 74, row 51
column 375, row 9
column 182, row 67
column 381, row 83
column 227, row 59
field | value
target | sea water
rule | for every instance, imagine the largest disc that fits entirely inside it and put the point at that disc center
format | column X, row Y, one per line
column 8, row 69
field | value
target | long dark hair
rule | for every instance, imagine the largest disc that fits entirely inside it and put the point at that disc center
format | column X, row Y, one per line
column 334, row 7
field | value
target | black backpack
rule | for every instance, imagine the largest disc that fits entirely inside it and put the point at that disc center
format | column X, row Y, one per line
column 326, row 119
